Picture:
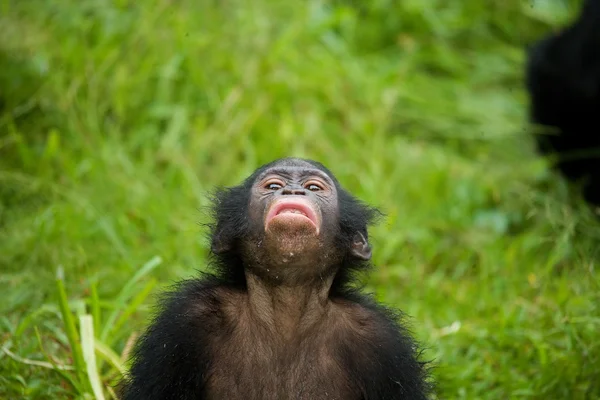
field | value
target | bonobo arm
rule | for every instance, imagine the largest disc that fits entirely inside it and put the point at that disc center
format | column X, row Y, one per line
column 170, row 362
column 385, row 362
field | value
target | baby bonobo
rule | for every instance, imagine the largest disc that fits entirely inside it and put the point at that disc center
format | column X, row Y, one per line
column 278, row 319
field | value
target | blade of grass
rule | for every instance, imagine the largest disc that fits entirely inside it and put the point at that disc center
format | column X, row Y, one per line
column 27, row 321
column 125, row 293
column 129, row 344
column 112, row 393
column 37, row 363
column 70, row 327
column 74, row 382
column 133, row 305
column 86, row 324
column 95, row 306
column 109, row 355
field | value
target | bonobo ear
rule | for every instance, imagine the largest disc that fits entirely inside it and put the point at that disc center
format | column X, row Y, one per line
column 360, row 247
column 219, row 245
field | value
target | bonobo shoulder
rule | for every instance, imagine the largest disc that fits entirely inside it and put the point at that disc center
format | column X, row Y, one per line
column 368, row 319
column 202, row 304
column 378, row 349
column 172, row 357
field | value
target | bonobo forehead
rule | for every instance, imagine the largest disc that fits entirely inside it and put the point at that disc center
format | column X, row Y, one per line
column 292, row 165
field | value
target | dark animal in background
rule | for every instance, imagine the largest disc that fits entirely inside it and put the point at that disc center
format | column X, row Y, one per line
column 563, row 80
column 278, row 318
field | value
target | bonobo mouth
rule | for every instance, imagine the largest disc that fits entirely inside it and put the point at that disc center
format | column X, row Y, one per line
column 293, row 209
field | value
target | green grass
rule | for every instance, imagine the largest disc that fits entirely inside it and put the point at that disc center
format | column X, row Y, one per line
column 118, row 117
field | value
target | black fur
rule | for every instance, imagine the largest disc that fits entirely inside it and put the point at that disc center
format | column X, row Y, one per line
column 563, row 80
column 172, row 360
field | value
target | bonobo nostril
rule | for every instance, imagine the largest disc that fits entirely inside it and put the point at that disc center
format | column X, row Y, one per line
column 294, row 191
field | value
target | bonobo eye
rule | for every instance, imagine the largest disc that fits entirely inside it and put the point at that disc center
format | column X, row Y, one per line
column 273, row 184
column 313, row 186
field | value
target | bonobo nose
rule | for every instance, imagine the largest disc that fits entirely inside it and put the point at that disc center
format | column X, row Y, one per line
column 300, row 191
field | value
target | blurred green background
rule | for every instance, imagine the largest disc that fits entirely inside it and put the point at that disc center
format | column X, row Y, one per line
column 117, row 118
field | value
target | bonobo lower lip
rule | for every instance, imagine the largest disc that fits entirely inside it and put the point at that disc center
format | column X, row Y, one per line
column 297, row 207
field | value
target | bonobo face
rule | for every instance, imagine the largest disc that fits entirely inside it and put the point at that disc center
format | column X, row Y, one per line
column 294, row 216
column 295, row 199
column 290, row 221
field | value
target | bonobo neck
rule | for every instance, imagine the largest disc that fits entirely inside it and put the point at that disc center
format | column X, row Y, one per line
column 287, row 310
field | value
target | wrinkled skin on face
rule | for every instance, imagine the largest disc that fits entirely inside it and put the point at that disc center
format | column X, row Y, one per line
column 293, row 214
column 294, row 221
column 290, row 222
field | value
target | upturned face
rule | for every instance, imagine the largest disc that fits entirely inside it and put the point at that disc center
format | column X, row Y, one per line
column 294, row 216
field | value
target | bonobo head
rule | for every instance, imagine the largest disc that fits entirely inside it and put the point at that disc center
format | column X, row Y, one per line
column 290, row 222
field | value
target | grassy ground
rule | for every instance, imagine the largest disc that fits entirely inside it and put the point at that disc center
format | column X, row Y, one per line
column 117, row 117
